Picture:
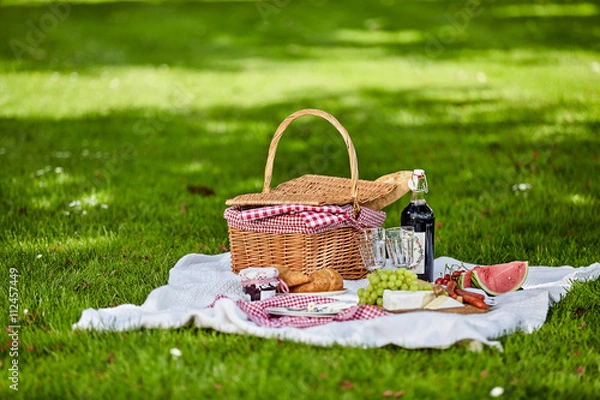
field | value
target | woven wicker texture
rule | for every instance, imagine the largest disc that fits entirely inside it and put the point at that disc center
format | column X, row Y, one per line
column 337, row 249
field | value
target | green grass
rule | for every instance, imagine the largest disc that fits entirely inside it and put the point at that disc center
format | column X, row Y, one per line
column 121, row 106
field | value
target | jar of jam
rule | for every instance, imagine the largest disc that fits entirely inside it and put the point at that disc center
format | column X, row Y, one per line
column 259, row 283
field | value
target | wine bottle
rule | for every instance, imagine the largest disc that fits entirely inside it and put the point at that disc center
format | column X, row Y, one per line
column 420, row 215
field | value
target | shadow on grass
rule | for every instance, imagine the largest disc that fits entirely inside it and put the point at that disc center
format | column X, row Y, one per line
column 143, row 175
column 384, row 119
column 226, row 35
column 142, row 160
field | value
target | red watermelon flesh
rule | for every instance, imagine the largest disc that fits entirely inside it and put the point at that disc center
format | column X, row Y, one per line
column 500, row 278
column 465, row 280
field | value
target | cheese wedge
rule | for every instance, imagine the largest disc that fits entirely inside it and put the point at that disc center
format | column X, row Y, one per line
column 442, row 302
column 395, row 300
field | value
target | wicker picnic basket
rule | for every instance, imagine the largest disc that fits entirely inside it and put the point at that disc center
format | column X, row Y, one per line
column 336, row 248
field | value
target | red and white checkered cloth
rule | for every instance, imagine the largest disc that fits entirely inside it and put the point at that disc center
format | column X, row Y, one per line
column 299, row 218
column 257, row 313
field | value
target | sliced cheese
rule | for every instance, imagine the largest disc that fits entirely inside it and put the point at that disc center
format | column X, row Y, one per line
column 443, row 302
column 395, row 300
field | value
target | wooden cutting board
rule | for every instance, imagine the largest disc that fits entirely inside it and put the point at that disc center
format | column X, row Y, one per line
column 466, row 310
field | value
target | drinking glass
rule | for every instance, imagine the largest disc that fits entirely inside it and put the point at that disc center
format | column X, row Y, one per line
column 400, row 244
column 372, row 248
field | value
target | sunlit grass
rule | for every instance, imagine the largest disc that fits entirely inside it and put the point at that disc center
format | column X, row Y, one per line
column 486, row 85
column 582, row 200
column 377, row 37
column 547, row 10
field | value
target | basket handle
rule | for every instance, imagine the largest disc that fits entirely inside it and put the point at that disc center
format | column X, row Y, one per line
column 349, row 146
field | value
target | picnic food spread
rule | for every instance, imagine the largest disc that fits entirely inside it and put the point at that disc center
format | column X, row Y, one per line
column 309, row 234
column 205, row 292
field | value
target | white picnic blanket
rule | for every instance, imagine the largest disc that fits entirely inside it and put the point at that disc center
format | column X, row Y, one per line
column 196, row 280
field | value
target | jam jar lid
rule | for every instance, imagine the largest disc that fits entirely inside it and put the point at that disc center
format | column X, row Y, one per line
column 253, row 273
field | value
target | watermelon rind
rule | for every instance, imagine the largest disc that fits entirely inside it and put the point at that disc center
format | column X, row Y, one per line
column 500, row 278
column 475, row 283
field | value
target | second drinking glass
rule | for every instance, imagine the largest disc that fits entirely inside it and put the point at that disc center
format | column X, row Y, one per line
column 400, row 244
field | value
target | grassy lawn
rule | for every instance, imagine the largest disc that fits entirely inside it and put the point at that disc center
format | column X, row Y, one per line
column 124, row 127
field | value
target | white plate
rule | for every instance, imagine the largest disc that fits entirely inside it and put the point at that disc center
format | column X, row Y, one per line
column 321, row 294
column 299, row 313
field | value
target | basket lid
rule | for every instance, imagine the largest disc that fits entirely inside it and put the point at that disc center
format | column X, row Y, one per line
column 322, row 190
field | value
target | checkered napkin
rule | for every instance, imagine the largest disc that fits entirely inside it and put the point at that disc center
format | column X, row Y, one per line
column 299, row 218
column 257, row 313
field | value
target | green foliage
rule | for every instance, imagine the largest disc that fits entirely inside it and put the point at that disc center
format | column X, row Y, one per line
column 125, row 126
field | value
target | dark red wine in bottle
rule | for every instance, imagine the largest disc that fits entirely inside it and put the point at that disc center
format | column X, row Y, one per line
column 419, row 215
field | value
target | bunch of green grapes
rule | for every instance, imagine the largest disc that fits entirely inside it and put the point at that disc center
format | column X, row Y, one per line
column 382, row 279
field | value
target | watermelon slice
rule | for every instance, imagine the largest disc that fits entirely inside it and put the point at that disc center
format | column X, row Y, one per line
column 500, row 278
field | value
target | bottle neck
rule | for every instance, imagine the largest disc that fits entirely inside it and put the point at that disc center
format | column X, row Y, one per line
column 418, row 197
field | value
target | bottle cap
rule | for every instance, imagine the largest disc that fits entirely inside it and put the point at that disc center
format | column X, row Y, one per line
column 418, row 182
